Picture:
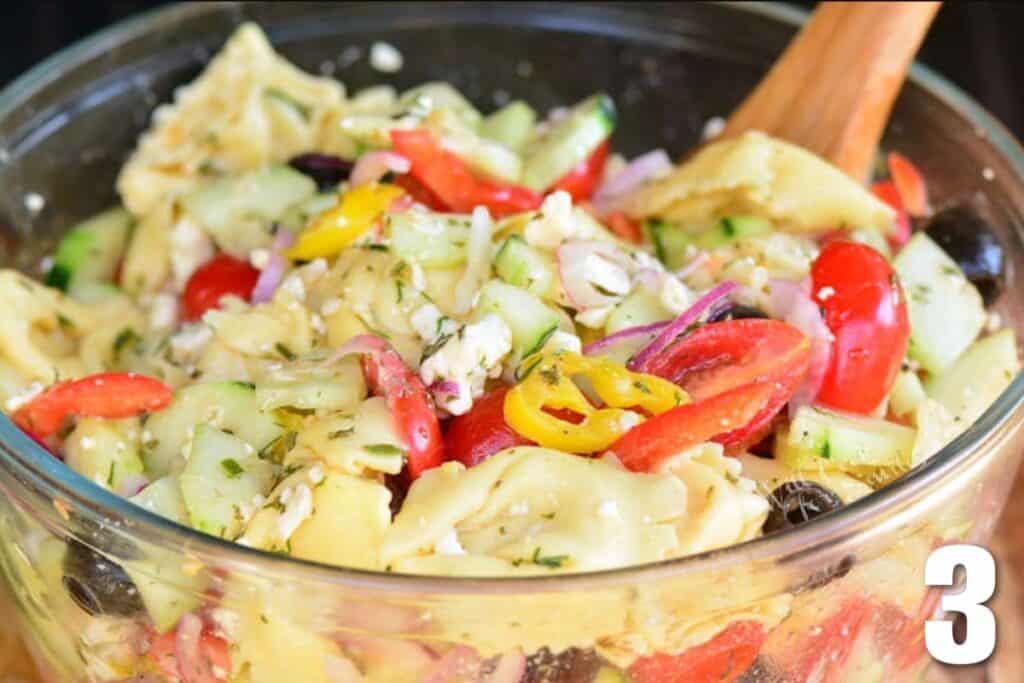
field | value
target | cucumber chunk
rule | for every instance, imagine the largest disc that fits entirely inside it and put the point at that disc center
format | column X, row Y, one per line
column 484, row 156
column 231, row 406
column 640, row 307
column 238, row 211
column 167, row 590
column 222, row 478
column 731, row 229
column 298, row 216
column 422, row 100
column 519, row 264
column 906, row 394
column 569, row 142
column 102, row 453
column 90, row 252
column 977, row 378
column 511, row 125
column 432, row 240
column 530, row 321
column 821, row 439
column 671, row 242
column 946, row 311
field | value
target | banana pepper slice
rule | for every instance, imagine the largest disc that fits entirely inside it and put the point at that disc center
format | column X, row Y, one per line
column 342, row 225
column 550, row 383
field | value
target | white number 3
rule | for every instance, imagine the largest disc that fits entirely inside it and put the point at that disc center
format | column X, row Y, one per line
column 980, row 584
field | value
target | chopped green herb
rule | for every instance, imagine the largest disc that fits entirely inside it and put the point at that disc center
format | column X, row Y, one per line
column 548, row 515
column 231, row 468
column 550, row 374
column 435, row 346
column 552, row 561
column 641, row 387
column 124, row 338
column 263, row 618
column 379, row 333
column 285, row 351
column 274, row 505
column 340, row 433
column 383, row 449
column 826, row 450
column 110, row 474
column 377, row 247
column 530, row 369
column 399, row 290
column 245, row 385
column 64, row 322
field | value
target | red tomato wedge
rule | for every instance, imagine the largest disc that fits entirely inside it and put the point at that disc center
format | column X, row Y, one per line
column 204, row 663
column 910, row 183
column 408, row 400
column 822, row 656
column 649, row 444
column 215, row 279
column 107, row 394
column 451, row 180
column 582, row 180
column 625, row 227
column 718, row 357
column 865, row 310
column 419, row 193
column 723, row 659
column 478, row 434
column 887, row 192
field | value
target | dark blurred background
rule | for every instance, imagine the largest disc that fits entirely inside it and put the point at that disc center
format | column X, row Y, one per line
column 975, row 44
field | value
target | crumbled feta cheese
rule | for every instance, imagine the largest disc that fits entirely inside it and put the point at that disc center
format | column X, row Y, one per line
column 330, row 307
column 713, row 127
column 430, row 323
column 563, row 341
column 449, row 545
column 34, row 202
column 163, row 312
column 190, row 248
column 385, row 57
column 317, row 322
column 259, row 258
column 419, row 278
column 21, row 398
column 294, row 285
column 468, row 359
column 609, row 509
column 190, row 340
column 594, row 317
column 316, row 474
column 674, row 295
column 606, row 275
column 298, row 507
column 554, row 224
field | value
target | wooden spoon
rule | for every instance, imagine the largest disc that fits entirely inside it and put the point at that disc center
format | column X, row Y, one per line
column 832, row 89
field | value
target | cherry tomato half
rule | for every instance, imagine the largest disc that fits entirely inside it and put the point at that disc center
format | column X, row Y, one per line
column 481, row 432
column 721, row 356
column 723, row 659
column 215, row 279
column 864, row 309
column 625, row 227
column 887, row 192
column 582, row 180
column 420, row 193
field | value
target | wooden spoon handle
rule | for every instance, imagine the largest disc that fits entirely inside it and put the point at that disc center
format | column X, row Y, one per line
column 831, row 91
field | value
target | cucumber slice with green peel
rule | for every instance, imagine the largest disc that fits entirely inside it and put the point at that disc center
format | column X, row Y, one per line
column 510, row 126
column 300, row 215
column 167, row 590
column 231, row 406
column 569, row 142
column 640, row 307
column 238, row 212
column 423, row 99
column 90, row 252
column 102, row 453
column 432, row 240
column 946, row 311
column 976, row 379
column 485, row 157
column 222, row 478
column 731, row 229
column 519, row 264
column 671, row 243
column 821, row 439
column 528, row 318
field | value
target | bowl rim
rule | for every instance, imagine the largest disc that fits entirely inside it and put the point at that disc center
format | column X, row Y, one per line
column 22, row 455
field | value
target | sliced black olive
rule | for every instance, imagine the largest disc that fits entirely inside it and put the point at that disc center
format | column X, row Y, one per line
column 736, row 312
column 970, row 241
column 796, row 502
column 762, row 671
column 325, row 169
column 98, row 585
column 570, row 666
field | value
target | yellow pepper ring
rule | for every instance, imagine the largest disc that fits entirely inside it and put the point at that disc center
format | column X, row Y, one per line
column 550, row 384
column 340, row 226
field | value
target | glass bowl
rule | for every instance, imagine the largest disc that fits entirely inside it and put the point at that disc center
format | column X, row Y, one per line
column 838, row 599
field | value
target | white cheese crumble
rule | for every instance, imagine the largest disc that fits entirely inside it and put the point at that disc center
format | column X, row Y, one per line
column 629, row 420
column 826, row 293
column 316, row 474
column 87, row 443
column 21, row 398
column 988, row 174
column 563, row 341
column 449, row 545
column 190, row 340
column 594, row 317
column 468, row 359
column 298, row 507
column 330, row 307
column 190, row 248
column 520, row 509
column 419, row 278
column 674, row 295
column 163, row 311
column 259, row 258
column 225, row 623
column 430, row 323
column 385, row 57
column 554, row 224
column 294, row 285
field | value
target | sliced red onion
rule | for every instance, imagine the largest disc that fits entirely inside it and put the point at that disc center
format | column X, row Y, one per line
column 699, row 260
column 573, row 270
column 653, row 164
column 271, row 276
column 446, row 386
column 186, row 648
column 507, row 668
column 362, row 344
column 629, row 335
column 680, row 324
column 373, row 166
column 791, row 302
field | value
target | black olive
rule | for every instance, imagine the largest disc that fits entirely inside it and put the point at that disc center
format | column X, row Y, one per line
column 325, row 169
column 762, row 671
column 796, row 502
column 98, row 585
column 571, row 666
column 736, row 312
column 970, row 241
